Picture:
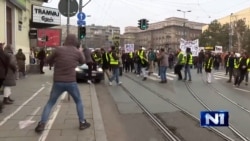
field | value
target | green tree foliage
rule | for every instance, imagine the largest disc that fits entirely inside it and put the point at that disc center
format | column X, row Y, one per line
column 218, row 35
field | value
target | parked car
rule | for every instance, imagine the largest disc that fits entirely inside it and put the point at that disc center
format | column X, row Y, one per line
column 81, row 73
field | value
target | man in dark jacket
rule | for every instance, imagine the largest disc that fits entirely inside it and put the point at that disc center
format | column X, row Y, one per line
column 230, row 65
column 41, row 56
column 200, row 61
column 65, row 60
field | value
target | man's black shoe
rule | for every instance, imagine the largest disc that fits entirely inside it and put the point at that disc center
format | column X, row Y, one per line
column 84, row 125
column 40, row 127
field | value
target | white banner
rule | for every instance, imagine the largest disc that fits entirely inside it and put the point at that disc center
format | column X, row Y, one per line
column 218, row 49
column 193, row 45
column 129, row 48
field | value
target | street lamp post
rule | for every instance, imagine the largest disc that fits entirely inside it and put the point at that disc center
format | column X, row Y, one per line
column 230, row 33
column 184, row 28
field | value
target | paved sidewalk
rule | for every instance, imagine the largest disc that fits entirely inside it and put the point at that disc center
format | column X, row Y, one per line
column 63, row 124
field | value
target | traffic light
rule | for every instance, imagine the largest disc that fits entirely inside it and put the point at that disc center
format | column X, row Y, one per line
column 143, row 24
column 46, row 38
column 81, row 32
column 139, row 23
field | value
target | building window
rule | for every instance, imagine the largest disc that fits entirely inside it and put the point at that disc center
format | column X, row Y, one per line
column 9, row 22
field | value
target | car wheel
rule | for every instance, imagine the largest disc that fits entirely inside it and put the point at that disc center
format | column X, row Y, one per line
column 97, row 80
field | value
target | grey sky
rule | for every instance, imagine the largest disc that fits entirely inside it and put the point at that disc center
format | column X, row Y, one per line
column 124, row 13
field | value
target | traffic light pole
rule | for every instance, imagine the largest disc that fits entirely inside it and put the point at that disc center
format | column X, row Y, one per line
column 80, row 11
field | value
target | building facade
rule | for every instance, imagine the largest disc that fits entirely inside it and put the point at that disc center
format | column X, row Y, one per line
column 96, row 36
column 15, row 23
column 163, row 34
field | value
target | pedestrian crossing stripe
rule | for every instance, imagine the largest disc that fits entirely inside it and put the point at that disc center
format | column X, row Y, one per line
column 220, row 76
column 169, row 78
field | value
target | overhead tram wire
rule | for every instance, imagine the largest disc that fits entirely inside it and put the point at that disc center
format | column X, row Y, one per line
column 108, row 8
column 101, row 9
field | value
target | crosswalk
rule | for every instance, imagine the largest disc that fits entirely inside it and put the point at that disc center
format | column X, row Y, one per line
column 220, row 75
column 170, row 76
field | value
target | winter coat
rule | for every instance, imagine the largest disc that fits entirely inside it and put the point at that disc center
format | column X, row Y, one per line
column 20, row 57
column 4, row 63
column 10, row 79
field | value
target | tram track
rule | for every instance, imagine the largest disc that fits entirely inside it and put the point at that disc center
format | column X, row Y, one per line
column 169, row 135
column 228, row 99
column 231, row 127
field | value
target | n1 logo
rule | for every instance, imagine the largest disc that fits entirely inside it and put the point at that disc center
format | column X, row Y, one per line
column 214, row 118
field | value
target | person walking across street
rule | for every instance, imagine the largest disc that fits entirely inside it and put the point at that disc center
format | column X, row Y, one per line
column 200, row 61
column 105, row 62
column 65, row 60
column 243, row 67
column 208, row 66
column 163, row 58
column 230, row 65
column 114, row 64
column 10, row 79
column 179, row 64
column 89, row 61
column 188, row 64
column 143, row 63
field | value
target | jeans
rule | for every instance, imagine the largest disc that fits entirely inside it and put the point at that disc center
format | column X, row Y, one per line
column 57, row 89
column 115, row 75
column 163, row 70
column 199, row 67
column 187, row 71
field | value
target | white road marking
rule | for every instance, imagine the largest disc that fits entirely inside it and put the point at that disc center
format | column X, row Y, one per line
column 20, row 107
column 169, row 78
column 29, row 121
column 49, row 124
column 242, row 90
column 216, row 78
column 221, row 76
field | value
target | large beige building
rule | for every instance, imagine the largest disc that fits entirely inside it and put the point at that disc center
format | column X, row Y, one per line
column 232, row 17
column 163, row 34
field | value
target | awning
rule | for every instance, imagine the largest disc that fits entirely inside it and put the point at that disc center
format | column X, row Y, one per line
column 41, row 25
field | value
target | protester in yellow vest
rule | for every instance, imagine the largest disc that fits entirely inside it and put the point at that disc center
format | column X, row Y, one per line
column 242, row 66
column 188, row 64
column 208, row 66
column 179, row 64
column 143, row 63
column 114, row 64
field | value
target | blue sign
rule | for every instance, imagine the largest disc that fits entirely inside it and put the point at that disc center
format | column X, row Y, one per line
column 214, row 118
column 81, row 16
column 80, row 22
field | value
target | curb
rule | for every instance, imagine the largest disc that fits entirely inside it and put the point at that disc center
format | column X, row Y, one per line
column 100, row 134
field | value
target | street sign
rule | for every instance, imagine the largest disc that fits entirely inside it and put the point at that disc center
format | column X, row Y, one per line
column 63, row 7
column 81, row 16
column 79, row 22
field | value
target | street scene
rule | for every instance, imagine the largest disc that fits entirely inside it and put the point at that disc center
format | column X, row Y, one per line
column 70, row 72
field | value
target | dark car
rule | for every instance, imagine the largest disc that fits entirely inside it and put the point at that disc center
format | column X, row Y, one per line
column 81, row 73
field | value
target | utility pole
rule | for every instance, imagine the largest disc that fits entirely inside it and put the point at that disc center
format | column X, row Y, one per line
column 230, row 34
column 184, row 24
column 68, row 18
